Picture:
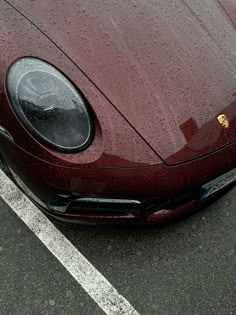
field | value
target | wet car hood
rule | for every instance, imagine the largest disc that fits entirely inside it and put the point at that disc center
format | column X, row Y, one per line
column 230, row 8
column 168, row 66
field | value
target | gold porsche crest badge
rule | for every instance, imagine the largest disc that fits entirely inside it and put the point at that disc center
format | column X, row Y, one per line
column 223, row 120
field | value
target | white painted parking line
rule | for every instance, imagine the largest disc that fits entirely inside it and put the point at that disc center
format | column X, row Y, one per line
column 92, row 281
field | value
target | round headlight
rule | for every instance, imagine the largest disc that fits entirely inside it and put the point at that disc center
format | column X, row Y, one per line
column 49, row 106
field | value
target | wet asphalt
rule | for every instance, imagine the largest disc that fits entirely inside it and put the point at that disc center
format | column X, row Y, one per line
column 188, row 267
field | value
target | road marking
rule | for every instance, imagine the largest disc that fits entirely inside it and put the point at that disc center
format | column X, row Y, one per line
column 92, row 281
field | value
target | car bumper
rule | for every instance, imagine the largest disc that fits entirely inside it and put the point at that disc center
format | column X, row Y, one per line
column 165, row 192
column 151, row 213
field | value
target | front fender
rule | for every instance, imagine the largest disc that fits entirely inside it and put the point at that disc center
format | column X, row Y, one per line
column 116, row 143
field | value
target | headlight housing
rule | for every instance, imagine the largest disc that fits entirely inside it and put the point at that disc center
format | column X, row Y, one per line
column 49, row 106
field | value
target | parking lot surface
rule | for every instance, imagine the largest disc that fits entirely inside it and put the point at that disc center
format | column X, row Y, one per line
column 188, row 267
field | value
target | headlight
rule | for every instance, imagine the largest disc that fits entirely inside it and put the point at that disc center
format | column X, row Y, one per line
column 49, row 105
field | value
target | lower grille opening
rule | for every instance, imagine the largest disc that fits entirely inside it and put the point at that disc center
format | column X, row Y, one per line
column 101, row 206
column 69, row 205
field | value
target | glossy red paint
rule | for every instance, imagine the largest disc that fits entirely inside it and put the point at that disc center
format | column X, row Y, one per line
column 160, row 63
column 156, row 76
column 110, row 147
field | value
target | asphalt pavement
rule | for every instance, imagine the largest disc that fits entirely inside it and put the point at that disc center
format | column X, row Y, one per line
column 188, row 267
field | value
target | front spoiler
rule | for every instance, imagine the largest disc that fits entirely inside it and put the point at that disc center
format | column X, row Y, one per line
column 209, row 193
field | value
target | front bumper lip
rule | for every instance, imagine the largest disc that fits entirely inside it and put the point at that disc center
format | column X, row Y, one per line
column 161, row 216
column 208, row 193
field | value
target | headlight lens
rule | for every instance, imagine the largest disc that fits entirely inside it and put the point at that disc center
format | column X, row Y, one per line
column 49, row 105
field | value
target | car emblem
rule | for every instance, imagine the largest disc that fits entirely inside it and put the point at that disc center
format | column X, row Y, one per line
column 223, row 120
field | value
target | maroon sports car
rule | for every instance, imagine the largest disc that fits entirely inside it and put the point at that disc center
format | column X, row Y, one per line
column 118, row 111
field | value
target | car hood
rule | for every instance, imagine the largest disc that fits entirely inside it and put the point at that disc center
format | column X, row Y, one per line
column 169, row 67
column 230, row 8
